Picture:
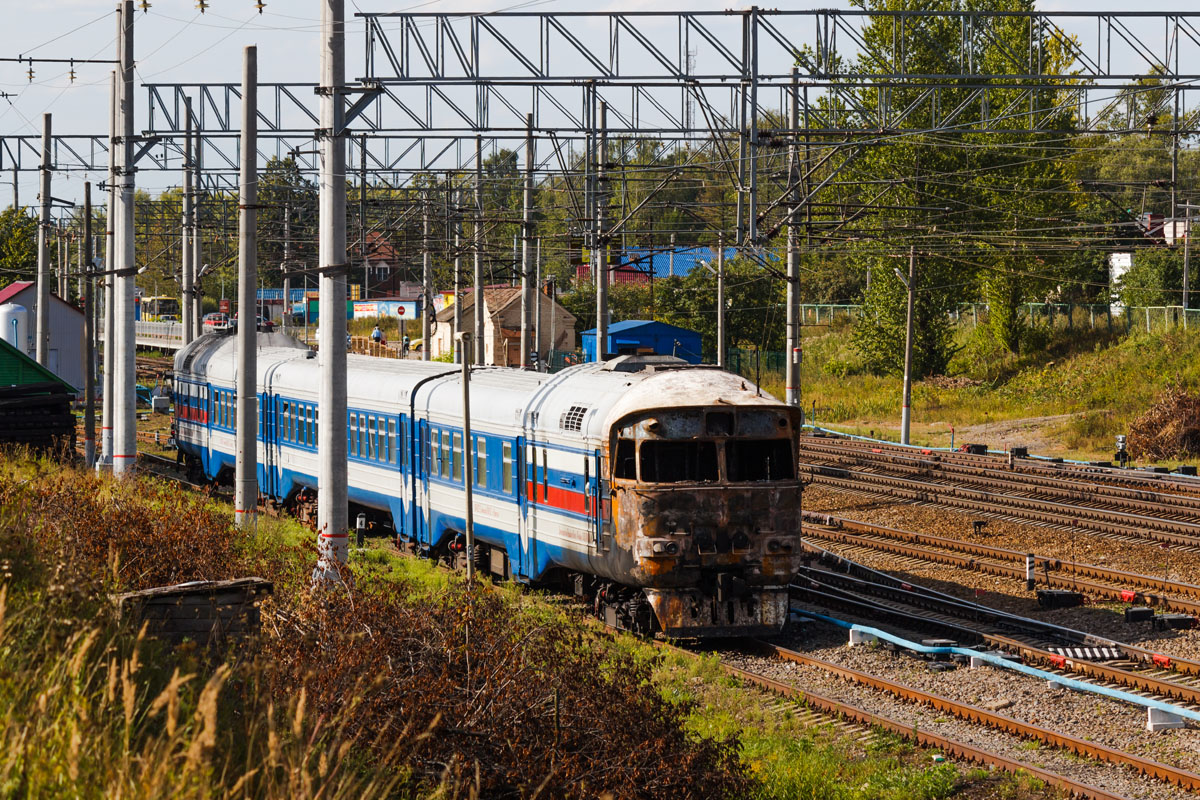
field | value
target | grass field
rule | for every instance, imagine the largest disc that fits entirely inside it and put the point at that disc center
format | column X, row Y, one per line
column 1079, row 389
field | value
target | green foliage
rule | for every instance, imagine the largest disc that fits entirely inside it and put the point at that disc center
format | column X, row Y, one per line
column 1155, row 279
column 18, row 245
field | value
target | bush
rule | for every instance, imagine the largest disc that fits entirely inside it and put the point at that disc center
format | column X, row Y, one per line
column 392, row 688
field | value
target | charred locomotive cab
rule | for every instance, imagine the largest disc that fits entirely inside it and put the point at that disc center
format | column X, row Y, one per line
column 707, row 506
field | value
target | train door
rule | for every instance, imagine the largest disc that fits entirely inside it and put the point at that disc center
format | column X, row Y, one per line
column 421, row 497
column 273, row 410
column 401, row 465
column 524, row 498
column 595, row 489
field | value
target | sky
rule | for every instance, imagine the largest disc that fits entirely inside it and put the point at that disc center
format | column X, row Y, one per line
column 176, row 43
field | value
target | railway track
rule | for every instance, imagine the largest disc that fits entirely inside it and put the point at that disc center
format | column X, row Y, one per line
column 816, row 709
column 1050, row 647
column 1127, row 587
column 1166, row 505
column 1125, row 527
column 1153, row 481
column 992, row 719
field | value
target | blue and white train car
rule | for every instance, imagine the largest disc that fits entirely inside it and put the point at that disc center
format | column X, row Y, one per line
column 665, row 493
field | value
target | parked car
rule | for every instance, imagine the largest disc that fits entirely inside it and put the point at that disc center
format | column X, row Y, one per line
column 168, row 318
column 264, row 325
column 216, row 321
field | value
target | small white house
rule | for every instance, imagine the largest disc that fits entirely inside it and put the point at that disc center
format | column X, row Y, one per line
column 66, row 356
column 502, row 326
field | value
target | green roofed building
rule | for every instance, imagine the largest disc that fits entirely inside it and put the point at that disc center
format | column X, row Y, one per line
column 35, row 404
column 18, row 369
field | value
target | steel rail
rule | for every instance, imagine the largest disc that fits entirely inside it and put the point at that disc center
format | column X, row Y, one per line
column 906, row 605
column 1003, row 554
column 992, row 567
column 1149, row 767
column 860, row 716
column 1065, row 515
column 1033, row 466
column 1062, row 488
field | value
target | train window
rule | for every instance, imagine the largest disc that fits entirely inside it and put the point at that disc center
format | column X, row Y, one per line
column 759, row 460
column 718, row 423
column 391, row 442
column 506, row 459
column 480, row 461
column 372, row 442
column 444, row 438
column 456, row 457
column 316, row 427
column 626, row 461
column 545, row 476
column 587, row 479
column 353, row 435
column 678, row 462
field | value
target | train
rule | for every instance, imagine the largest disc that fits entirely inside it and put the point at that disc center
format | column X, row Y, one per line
column 664, row 494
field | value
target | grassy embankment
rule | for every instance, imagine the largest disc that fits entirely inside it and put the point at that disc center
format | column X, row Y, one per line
column 410, row 685
column 1096, row 382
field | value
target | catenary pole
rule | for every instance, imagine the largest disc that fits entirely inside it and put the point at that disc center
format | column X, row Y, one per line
column 792, row 366
column 124, row 377
column 477, row 235
column 459, row 355
column 245, row 497
column 599, row 237
column 185, row 244
column 89, row 334
column 197, row 242
column 42, row 318
column 539, row 362
column 332, row 508
column 721, row 348
column 911, row 285
column 106, row 419
column 527, row 244
column 426, row 280
column 469, row 449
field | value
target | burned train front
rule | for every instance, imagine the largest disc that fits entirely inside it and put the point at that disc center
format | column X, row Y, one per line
column 706, row 513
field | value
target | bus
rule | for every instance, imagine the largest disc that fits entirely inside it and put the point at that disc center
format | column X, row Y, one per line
column 158, row 309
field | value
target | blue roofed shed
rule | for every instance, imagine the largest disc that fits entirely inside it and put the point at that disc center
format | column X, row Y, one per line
column 643, row 337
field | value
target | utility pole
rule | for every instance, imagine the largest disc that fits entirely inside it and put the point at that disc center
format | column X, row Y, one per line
column 477, row 235
column 125, row 375
column 197, row 251
column 106, row 420
column 553, row 339
column 537, row 305
column 285, row 267
column 459, row 355
column 362, row 214
column 245, row 498
column 911, row 285
column 526, row 244
column 721, row 347
column 792, row 368
column 599, row 237
column 186, row 242
column 464, row 347
column 42, row 320
column 89, row 333
column 1187, row 251
column 426, row 280
column 332, row 508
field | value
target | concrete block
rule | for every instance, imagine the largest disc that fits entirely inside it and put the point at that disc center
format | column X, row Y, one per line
column 861, row 637
column 978, row 663
column 1159, row 720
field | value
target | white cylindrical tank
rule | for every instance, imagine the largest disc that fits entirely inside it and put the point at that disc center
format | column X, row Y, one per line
column 14, row 326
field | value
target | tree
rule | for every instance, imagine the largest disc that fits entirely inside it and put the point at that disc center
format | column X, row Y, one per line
column 18, row 245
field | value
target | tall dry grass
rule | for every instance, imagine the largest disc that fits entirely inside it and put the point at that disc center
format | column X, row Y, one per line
column 391, row 689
